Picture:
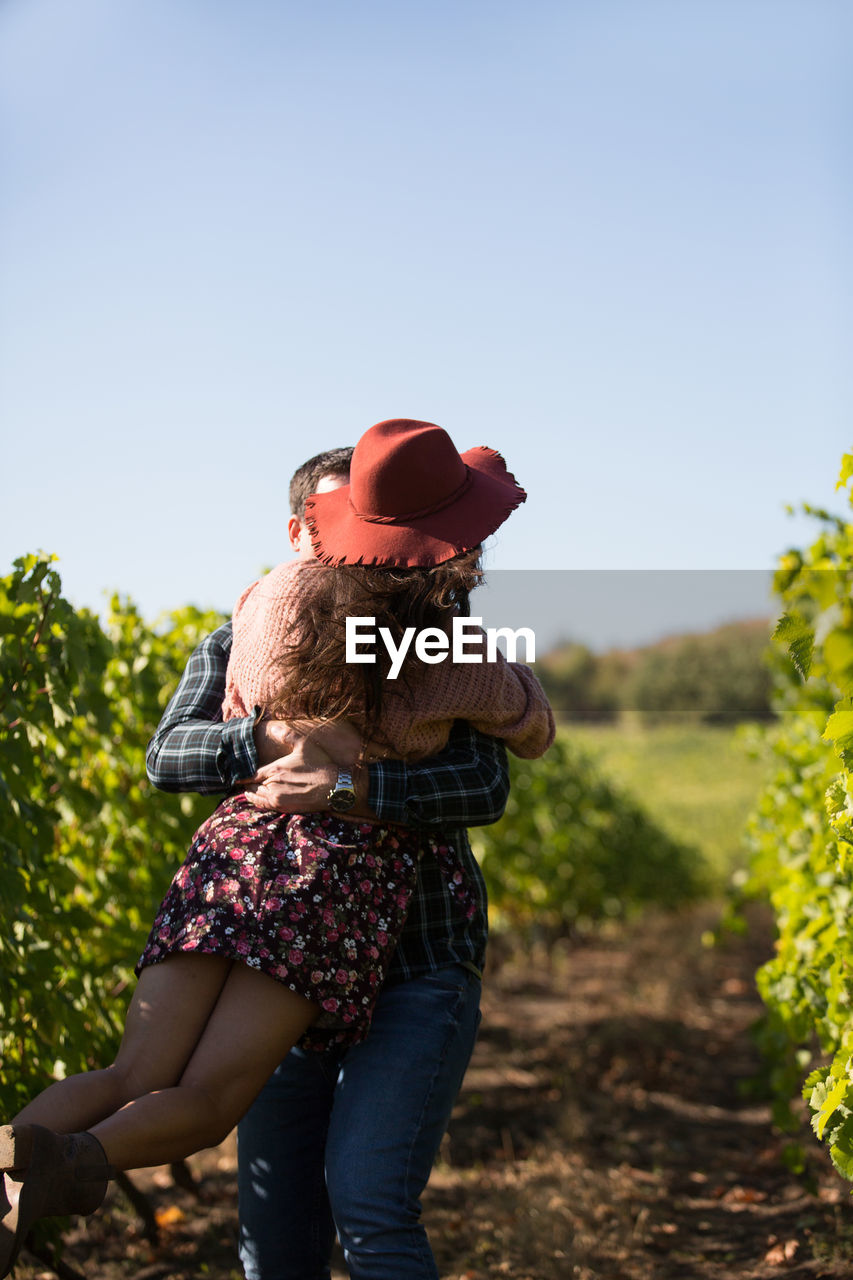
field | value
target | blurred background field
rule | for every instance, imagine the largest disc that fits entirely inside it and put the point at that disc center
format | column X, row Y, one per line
column 643, row 800
column 619, row 818
column 699, row 782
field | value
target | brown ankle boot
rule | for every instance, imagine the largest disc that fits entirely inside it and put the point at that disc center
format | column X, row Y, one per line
column 45, row 1174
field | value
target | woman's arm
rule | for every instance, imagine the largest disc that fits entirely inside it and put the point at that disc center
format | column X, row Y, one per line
column 466, row 784
column 498, row 698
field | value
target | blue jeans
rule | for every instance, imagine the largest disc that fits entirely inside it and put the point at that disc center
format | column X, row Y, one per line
column 346, row 1141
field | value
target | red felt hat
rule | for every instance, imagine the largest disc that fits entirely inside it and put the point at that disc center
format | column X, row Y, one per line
column 412, row 499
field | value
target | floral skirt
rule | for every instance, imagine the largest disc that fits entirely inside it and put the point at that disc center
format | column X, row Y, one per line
column 312, row 900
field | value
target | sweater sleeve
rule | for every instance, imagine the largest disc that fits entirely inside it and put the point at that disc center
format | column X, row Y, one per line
column 262, row 619
column 518, row 711
column 500, row 698
column 526, row 719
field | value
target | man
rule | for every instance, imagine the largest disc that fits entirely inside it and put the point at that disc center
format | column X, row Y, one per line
column 344, row 1141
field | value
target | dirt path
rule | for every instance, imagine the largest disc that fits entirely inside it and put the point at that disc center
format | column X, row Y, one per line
column 602, row 1134
column 604, row 1130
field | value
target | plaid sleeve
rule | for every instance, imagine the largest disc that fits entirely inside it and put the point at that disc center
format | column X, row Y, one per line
column 465, row 785
column 193, row 749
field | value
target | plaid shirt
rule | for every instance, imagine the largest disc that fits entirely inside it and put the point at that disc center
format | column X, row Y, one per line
column 466, row 785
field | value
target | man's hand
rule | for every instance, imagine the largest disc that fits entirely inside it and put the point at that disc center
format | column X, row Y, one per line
column 338, row 740
column 301, row 781
column 298, row 782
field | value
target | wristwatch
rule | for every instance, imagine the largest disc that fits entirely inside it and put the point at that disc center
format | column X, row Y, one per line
column 342, row 795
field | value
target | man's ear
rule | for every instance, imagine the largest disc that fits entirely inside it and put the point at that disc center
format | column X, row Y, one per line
column 294, row 532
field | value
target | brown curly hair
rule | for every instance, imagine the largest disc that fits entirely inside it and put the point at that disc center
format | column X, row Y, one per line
column 318, row 683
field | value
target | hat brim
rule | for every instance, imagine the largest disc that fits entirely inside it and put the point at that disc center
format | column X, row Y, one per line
column 339, row 535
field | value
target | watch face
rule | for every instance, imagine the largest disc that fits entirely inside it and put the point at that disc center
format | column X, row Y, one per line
column 341, row 799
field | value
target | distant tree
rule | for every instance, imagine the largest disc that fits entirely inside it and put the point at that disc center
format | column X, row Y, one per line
column 720, row 677
column 570, row 675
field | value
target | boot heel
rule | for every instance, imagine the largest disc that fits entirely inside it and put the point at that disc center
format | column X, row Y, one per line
column 51, row 1174
column 16, row 1147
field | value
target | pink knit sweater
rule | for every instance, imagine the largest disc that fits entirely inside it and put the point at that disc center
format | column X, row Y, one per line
column 500, row 698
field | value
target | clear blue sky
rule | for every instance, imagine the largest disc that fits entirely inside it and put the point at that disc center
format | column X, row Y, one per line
column 610, row 239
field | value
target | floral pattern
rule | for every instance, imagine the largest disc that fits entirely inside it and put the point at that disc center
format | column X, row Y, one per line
column 314, row 901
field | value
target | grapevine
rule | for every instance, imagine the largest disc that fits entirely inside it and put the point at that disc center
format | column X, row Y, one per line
column 87, row 849
column 802, row 834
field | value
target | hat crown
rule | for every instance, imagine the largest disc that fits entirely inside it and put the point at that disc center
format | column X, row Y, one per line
column 412, row 500
column 402, row 467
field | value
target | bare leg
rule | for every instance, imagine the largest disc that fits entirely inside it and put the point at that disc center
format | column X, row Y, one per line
column 167, row 1016
column 201, row 1038
column 255, row 1021
column 44, row 1174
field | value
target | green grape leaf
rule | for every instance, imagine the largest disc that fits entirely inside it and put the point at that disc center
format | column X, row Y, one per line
column 832, row 1099
column 841, row 1147
column 839, row 730
column 793, row 631
column 838, row 656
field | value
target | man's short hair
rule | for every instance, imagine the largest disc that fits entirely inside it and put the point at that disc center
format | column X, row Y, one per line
column 333, row 462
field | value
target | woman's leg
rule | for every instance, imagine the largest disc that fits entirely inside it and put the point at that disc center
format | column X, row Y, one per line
column 44, row 1174
column 165, row 1019
column 254, row 1022
column 202, row 1035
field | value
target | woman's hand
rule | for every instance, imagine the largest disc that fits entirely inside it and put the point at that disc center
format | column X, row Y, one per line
column 338, row 740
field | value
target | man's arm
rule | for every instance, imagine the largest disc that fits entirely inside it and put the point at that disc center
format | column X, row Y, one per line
column 465, row 785
column 193, row 750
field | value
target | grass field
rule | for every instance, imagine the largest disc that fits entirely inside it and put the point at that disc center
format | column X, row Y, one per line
column 699, row 782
